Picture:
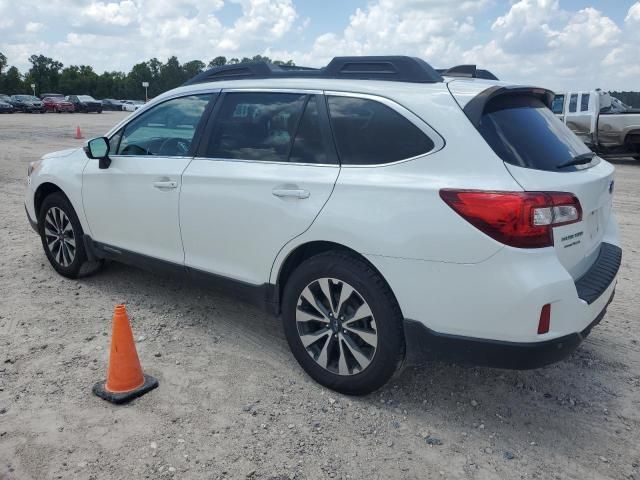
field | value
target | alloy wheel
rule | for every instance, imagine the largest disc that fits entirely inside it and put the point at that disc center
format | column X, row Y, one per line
column 59, row 236
column 336, row 326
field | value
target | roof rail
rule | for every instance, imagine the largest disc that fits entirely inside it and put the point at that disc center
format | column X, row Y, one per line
column 467, row 71
column 389, row 68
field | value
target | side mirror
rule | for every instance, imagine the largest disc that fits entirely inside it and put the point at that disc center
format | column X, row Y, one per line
column 98, row 148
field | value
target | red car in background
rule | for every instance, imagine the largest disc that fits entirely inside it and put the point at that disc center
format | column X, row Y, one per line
column 57, row 104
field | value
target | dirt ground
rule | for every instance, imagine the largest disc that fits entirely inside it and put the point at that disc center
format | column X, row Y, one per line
column 233, row 403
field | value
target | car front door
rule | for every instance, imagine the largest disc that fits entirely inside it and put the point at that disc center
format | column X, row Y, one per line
column 133, row 204
column 264, row 169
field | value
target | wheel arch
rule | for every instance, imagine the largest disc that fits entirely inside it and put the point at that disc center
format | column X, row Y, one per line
column 43, row 191
column 309, row 249
column 632, row 137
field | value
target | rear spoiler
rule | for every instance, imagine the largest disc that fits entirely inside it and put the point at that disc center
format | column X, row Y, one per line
column 475, row 108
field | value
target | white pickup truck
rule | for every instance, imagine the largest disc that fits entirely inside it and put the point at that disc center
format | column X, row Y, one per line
column 608, row 126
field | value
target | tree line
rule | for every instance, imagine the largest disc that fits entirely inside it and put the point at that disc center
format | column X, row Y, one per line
column 51, row 76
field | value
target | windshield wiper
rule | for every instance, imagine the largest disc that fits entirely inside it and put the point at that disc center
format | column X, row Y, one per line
column 578, row 160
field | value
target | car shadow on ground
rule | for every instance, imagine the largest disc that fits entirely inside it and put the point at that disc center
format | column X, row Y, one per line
column 522, row 407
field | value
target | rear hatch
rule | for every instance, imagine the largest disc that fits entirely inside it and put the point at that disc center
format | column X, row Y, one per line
column 542, row 154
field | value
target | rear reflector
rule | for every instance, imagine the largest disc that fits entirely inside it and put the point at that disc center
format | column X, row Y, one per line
column 517, row 219
column 545, row 319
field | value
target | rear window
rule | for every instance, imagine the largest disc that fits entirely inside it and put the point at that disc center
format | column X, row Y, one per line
column 522, row 131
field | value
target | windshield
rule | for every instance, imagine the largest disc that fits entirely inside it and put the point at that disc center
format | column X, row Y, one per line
column 523, row 131
column 86, row 98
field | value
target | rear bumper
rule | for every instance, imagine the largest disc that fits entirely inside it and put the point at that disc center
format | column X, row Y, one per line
column 425, row 344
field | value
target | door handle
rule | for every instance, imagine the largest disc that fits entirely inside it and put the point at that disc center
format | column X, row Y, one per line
column 291, row 193
column 166, row 184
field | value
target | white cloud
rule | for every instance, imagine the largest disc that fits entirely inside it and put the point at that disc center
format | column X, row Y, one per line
column 122, row 13
column 33, row 27
column 526, row 41
column 633, row 15
column 427, row 28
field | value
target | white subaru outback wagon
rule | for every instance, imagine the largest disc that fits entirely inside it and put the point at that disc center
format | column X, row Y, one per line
column 387, row 211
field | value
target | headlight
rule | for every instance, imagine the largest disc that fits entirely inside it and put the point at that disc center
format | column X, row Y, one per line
column 33, row 166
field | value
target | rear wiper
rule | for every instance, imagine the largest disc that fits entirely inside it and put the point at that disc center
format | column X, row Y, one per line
column 578, row 160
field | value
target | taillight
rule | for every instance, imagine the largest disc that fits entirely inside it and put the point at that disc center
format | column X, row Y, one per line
column 517, row 219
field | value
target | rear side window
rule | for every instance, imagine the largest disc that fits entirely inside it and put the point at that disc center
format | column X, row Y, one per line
column 522, row 131
column 370, row 133
column 573, row 103
column 584, row 102
column 558, row 104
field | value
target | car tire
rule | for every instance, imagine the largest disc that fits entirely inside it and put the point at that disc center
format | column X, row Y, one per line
column 354, row 344
column 99, row 111
column 63, row 238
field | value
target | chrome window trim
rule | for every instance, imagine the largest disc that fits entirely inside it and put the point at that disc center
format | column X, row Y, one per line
column 423, row 126
column 428, row 130
column 266, row 162
column 302, row 91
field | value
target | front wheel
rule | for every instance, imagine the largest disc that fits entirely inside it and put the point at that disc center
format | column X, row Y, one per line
column 343, row 323
column 62, row 238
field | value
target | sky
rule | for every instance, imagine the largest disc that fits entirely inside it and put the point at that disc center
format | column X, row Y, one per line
column 558, row 44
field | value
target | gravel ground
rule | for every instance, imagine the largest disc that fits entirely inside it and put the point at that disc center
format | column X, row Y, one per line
column 232, row 402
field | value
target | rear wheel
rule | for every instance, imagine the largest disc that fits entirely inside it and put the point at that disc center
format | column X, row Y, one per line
column 62, row 238
column 342, row 323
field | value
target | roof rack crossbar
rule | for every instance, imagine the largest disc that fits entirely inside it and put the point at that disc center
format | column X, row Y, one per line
column 388, row 68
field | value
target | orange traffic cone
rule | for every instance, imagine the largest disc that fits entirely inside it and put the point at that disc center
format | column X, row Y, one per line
column 125, row 380
column 78, row 133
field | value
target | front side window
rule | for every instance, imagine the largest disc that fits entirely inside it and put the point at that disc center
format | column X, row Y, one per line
column 368, row 132
column 558, row 104
column 584, row 102
column 166, row 130
column 573, row 103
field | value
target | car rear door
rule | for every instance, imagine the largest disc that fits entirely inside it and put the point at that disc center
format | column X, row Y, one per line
column 580, row 118
column 133, row 205
column 264, row 170
column 537, row 150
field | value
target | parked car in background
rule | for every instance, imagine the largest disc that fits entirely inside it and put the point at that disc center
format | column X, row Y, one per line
column 604, row 123
column 383, row 210
column 132, row 105
column 6, row 107
column 85, row 103
column 112, row 104
column 5, row 98
column 27, row 103
column 51, row 95
column 58, row 105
